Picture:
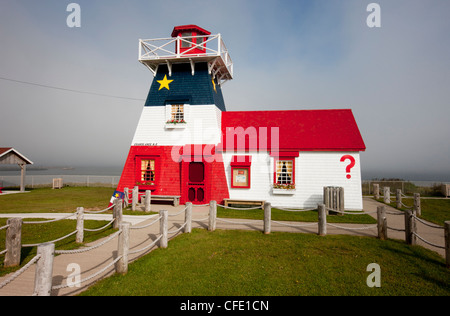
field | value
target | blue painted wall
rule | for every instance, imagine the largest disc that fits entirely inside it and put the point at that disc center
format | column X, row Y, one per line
column 185, row 88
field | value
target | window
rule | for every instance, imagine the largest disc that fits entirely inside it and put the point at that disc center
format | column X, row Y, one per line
column 200, row 41
column 177, row 113
column 196, row 172
column 284, row 172
column 147, row 174
column 186, row 37
column 240, row 172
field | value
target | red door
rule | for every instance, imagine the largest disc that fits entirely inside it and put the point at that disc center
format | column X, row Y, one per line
column 196, row 183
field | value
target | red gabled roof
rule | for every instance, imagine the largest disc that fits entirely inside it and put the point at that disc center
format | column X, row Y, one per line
column 299, row 130
column 4, row 149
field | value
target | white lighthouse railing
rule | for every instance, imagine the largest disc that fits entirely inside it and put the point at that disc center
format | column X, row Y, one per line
column 153, row 52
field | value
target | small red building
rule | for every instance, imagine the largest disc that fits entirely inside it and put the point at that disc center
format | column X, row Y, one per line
column 187, row 144
column 191, row 39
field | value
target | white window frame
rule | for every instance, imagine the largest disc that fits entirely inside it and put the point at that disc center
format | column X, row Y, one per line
column 168, row 118
column 287, row 174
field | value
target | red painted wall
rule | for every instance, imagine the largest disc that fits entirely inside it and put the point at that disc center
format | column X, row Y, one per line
column 219, row 185
column 168, row 171
column 169, row 174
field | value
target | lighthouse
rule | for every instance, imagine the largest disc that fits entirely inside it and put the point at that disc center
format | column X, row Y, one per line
column 173, row 148
column 187, row 146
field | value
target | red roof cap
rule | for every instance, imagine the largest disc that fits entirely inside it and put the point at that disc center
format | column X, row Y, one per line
column 189, row 27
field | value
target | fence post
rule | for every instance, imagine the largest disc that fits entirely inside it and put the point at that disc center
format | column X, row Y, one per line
column 163, row 228
column 376, row 191
column 117, row 213
column 382, row 222
column 267, row 217
column 126, row 196
column 322, row 219
column 387, row 195
column 44, row 270
column 80, row 225
column 326, row 197
column 410, row 227
column 13, row 242
column 417, row 208
column 398, row 198
column 134, row 198
column 212, row 215
column 188, row 218
column 123, row 248
column 148, row 195
column 447, row 242
column 341, row 201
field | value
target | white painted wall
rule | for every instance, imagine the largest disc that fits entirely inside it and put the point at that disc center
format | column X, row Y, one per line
column 202, row 127
column 313, row 171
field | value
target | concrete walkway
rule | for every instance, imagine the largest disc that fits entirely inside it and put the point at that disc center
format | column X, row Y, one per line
column 95, row 260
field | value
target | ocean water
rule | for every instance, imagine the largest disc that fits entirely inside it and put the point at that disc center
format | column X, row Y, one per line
column 413, row 176
column 57, row 170
column 425, row 178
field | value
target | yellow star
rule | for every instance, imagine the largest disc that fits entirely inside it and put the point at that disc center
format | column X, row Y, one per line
column 164, row 83
column 214, row 84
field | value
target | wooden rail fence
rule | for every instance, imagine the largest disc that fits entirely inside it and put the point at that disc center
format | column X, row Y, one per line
column 46, row 251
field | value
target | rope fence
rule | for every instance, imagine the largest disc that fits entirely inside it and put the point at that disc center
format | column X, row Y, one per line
column 411, row 214
column 14, row 245
column 410, row 229
column 46, row 251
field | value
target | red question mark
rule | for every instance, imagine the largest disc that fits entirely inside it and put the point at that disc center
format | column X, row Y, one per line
column 350, row 166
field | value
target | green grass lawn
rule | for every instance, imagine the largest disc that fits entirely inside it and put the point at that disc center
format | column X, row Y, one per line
column 280, row 215
column 228, row 263
column 241, row 262
column 47, row 200
column 434, row 210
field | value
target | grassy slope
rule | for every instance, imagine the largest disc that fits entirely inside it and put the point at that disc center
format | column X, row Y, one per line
column 250, row 263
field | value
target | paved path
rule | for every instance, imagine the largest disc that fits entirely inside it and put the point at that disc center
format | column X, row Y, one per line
column 95, row 260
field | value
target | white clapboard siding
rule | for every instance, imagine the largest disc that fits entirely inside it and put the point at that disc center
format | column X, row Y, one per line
column 313, row 171
column 202, row 127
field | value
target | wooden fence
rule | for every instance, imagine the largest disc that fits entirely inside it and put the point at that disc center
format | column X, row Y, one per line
column 411, row 218
column 45, row 253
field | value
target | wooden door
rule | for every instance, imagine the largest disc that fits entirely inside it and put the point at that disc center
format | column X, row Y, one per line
column 196, row 183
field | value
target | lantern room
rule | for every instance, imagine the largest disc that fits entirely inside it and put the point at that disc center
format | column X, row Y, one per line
column 193, row 45
column 191, row 39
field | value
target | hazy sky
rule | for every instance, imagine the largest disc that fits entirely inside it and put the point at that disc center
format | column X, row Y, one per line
column 287, row 55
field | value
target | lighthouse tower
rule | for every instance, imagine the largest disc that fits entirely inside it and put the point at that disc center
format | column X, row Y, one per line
column 173, row 151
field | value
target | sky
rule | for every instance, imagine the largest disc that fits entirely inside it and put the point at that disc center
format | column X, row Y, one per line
column 287, row 55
